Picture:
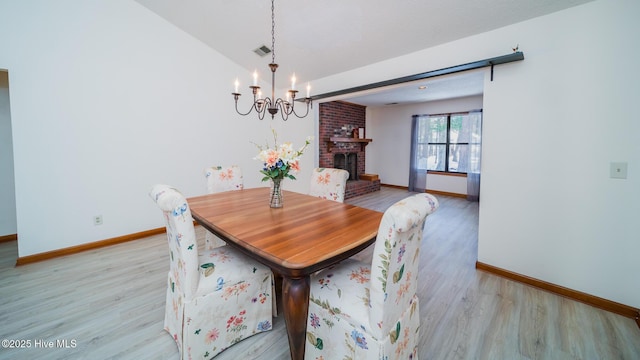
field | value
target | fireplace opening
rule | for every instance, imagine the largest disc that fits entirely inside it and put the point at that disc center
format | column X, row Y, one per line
column 347, row 161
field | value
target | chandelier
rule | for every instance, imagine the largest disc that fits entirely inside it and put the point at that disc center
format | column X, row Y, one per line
column 261, row 105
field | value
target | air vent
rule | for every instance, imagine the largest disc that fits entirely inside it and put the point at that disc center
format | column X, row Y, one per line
column 262, row 50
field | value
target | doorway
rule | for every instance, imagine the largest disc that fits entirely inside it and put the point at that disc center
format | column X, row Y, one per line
column 8, row 219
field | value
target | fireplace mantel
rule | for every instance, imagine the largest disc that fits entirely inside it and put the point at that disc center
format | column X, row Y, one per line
column 335, row 140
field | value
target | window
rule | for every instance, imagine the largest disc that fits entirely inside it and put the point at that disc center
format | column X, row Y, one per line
column 443, row 142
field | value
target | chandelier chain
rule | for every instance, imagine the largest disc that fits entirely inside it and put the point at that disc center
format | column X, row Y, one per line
column 273, row 33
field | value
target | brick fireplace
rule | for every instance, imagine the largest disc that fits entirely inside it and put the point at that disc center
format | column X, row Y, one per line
column 336, row 119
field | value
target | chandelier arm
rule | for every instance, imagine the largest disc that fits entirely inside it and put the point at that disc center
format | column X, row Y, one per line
column 284, row 114
column 309, row 104
column 248, row 112
column 284, row 106
column 261, row 115
column 259, row 105
column 291, row 104
column 267, row 103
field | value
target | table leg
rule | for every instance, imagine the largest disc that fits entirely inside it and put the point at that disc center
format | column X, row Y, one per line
column 295, row 301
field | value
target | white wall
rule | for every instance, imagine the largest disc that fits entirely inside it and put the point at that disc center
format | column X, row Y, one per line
column 447, row 184
column 108, row 99
column 390, row 128
column 552, row 124
column 8, row 222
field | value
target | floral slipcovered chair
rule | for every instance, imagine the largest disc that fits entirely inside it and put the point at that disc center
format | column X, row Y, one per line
column 214, row 299
column 219, row 179
column 370, row 310
column 328, row 183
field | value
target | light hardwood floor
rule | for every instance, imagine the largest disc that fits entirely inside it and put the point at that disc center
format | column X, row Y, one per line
column 110, row 304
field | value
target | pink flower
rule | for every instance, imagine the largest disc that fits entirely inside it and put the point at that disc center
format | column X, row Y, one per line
column 324, row 179
column 272, row 157
column 404, row 288
column 222, row 256
column 175, row 307
column 295, row 166
column 230, row 321
column 361, row 276
column 212, row 336
column 226, row 175
column 238, row 321
column 314, row 321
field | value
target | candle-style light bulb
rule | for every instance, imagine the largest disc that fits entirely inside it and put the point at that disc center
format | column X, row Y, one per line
column 255, row 78
column 293, row 82
column 237, row 84
column 308, row 89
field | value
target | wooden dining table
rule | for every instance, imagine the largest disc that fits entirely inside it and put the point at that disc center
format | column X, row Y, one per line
column 305, row 235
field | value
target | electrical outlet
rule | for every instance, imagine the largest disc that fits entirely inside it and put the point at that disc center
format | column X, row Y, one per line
column 618, row 170
column 97, row 220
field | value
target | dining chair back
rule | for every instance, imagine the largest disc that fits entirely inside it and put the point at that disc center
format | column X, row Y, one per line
column 224, row 178
column 219, row 179
column 215, row 298
column 329, row 183
column 363, row 310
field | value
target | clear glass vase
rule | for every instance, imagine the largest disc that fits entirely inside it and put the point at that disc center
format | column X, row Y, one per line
column 275, row 195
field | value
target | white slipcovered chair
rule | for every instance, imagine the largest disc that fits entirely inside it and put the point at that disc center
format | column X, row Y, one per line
column 329, row 183
column 363, row 310
column 214, row 299
column 219, row 179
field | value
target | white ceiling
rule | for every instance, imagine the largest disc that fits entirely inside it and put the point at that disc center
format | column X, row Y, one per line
column 457, row 85
column 315, row 39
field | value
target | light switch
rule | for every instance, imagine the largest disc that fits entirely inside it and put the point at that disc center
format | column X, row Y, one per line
column 618, row 170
